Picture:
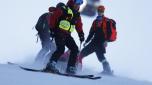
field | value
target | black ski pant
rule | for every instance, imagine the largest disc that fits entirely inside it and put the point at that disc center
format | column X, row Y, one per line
column 61, row 42
column 44, row 36
column 45, row 39
column 96, row 47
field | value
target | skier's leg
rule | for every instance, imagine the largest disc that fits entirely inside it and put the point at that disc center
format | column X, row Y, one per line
column 101, row 57
column 87, row 50
column 60, row 47
column 49, row 54
column 40, row 55
column 56, row 55
column 70, row 43
column 65, row 56
column 45, row 42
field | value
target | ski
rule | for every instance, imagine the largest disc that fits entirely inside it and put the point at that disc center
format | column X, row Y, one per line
column 65, row 74
column 92, row 77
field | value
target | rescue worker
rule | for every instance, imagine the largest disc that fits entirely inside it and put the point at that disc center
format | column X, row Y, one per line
column 97, row 39
column 61, row 26
column 44, row 34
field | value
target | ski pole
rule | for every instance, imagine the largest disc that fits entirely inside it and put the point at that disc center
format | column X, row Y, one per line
column 80, row 46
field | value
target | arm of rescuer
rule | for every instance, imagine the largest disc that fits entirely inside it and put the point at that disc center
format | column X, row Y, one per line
column 91, row 33
column 78, row 26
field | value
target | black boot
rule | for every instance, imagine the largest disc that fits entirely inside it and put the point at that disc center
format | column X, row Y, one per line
column 71, row 70
column 51, row 67
column 106, row 69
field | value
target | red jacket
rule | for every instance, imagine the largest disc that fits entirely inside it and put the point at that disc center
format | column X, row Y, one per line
column 78, row 25
column 53, row 17
column 57, row 13
column 99, row 30
column 78, row 21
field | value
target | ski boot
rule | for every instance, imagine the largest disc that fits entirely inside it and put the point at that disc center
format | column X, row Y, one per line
column 106, row 69
column 71, row 70
column 51, row 67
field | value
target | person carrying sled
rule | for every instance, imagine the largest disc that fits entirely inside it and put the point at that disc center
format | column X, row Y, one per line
column 103, row 30
column 43, row 29
column 62, row 27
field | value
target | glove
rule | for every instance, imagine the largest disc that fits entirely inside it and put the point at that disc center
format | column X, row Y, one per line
column 105, row 44
column 81, row 36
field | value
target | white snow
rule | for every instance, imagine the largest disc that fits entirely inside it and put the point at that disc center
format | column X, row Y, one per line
column 12, row 75
column 129, row 56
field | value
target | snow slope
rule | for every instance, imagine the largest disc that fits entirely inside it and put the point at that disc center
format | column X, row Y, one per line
column 12, row 75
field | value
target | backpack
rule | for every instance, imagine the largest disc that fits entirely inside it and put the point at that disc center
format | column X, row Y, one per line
column 42, row 22
column 109, row 29
column 112, row 27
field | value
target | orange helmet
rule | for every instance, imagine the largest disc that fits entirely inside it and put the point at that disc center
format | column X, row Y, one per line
column 101, row 8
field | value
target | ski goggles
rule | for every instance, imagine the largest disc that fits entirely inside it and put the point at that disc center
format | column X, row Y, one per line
column 78, row 2
column 100, row 11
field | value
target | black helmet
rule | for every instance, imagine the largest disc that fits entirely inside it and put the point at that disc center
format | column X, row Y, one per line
column 60, row 5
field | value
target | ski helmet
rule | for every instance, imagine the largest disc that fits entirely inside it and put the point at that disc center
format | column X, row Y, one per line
column 101, row 8
column 60, row 5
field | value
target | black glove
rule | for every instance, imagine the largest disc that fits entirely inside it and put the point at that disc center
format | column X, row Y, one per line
column 81, row 36
column 52, row 34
